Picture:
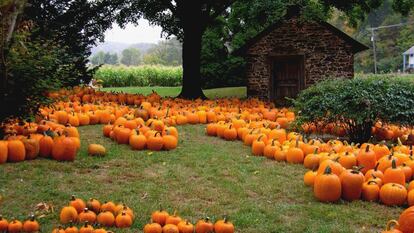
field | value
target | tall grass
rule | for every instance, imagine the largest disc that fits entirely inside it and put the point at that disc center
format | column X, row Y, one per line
column 141, row 76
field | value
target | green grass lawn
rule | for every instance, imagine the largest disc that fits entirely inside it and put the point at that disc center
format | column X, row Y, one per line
column 203, row 176
column 239, row 92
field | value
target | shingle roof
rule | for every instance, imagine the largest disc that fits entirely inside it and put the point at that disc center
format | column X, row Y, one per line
column 410, row 51
column 356, row 45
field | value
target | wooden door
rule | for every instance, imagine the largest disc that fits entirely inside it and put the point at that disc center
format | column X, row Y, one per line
column 288, row 78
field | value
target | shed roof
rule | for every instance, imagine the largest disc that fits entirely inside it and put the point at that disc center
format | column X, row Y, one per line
column 356, row 45
column 410, row 51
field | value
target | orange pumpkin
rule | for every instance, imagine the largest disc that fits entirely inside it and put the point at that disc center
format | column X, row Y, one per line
column 4, row 224
column 185, row 227
column 160, row 217
column 3, row 152
column 327, row 186
column 68, row 214
column 351, row 181
column 31, row 225
column 16, row 151
column 406, row 220
column 370, row 191
column 152, row 228
column 223, row 226
column 106, row 218
column 393, row 194
column 204, row 226
column 170, row 228
column 123, row 220
column 15, row 226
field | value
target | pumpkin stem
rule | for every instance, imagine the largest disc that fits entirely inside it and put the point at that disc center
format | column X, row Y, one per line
column 392, row 224
column 315, row 151
column 328, row 170
column 372, row 182
column 376, row 166
column 32, row 217
column 73, row 198
column 394, row 164
column 367, row 148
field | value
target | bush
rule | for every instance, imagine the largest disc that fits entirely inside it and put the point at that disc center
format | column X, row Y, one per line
column 358, row 103
column 122, row 76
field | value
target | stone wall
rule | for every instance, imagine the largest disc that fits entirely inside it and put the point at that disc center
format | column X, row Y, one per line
column 325, row 55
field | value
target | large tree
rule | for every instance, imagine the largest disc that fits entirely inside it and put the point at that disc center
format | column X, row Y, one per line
column 189, row 19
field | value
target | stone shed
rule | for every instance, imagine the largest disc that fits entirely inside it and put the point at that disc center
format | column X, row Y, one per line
column 293, row 54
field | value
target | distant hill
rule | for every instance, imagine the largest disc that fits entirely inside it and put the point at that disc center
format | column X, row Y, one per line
column 117, row 47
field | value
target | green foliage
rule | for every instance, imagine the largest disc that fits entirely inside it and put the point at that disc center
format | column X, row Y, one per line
column 121, row 76
column 358, row 103
column 166, row 53
column 75, row 26
column 101, row 58
column 35, row 67
column 131, row 57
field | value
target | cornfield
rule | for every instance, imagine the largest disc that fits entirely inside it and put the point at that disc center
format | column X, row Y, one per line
column 123, row 76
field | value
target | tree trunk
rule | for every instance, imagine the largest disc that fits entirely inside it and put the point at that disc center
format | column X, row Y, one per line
column 193, row 28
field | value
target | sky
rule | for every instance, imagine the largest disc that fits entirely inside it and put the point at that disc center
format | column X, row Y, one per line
column 143, row 33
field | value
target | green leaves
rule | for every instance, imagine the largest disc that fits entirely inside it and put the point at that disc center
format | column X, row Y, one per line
column 121, row 76
column 358, row 102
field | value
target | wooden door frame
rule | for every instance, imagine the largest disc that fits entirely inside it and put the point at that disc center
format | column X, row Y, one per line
column 273, row 59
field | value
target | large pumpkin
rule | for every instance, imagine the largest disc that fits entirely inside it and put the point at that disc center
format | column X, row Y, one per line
column 393, row 194
column 64, row 149
column 16, row 151
column 327, row 186
column 351, row 181
column 406, row 220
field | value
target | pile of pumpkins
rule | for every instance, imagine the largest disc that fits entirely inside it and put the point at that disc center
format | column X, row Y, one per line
column 47, row 139
column 163, row 222
column 337, row 169
column 15, row 226
column 380, row 131
column 107, row 214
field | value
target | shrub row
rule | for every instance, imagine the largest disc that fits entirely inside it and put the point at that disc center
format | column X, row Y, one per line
column 123, row 76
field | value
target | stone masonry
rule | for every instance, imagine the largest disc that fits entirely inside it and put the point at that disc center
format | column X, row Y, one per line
column 325, row 54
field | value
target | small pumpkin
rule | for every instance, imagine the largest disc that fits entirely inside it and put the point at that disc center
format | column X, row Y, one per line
column 15, row 226
column 185, row 227
column 106, row 219
column 370, row 191
column 94, row 205
column 31, row 225
column 4, row 224
column 96, row 150
column 68, row 214
column 87, row 216
column 108, row 206
column 152, row 228
column 71, row 228
column 86, row 228
column 204, row 226
column 155, row 142
column 223, row 226
column 78, row 204
column 170, row 228
column 160, row 216
column 123, row 220
column 173, row 219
